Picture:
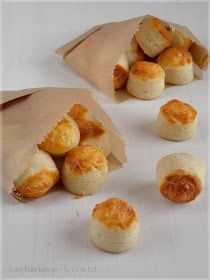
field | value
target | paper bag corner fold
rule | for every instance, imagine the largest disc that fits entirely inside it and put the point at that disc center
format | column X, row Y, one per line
column 27, row 120
column 94, row 54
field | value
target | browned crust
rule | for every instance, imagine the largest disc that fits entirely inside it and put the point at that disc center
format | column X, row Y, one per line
column 181, row 187
column 90, row 129
column 175, row 57
column 77, row 111
column 84, row 159
column 147, row 70
column 175, row 110
column 120, row 76
column 37, row 185
column 116, row 213
column 56, row 141
column 162, row 29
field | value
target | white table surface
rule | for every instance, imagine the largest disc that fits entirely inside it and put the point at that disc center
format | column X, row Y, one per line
column 49, row 236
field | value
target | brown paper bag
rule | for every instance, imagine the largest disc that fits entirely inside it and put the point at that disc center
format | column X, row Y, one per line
column 94, row 54
column 28, row 115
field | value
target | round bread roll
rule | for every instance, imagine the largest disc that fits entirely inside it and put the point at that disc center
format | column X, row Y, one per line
column 40, row 175
column 95, row 134
column 79, row 111
column 181, row 177
column 177, row 121
column 114, row 225
column 135, row 53
column 62, row 138
column 153, row 36
column 85, row 170
column 121, row 72
column 178, row 65
column 146, row 80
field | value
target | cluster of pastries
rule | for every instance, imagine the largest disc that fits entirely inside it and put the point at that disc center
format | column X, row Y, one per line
column 83, row 143
column 157, row 55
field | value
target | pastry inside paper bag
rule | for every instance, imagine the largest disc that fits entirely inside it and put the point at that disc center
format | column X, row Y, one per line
column 85, row 144
column 85, row 170
column 177, row 64
column 40, row 175
column 146, row 80
column 154, row 42
column 62, row 138
column 95, row 134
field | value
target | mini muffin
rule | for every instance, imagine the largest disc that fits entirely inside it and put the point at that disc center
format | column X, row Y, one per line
column 79, row 111
column 85, row 170
column 178, row 65
column 135, row 53
column 62, row 138
column 114, row 225
column 40, row 175
column 153, row 36
column 146, row 80
column 121, row 72
column 177, row 121
column 181, row 177
column 180, row 40
column 95, row 134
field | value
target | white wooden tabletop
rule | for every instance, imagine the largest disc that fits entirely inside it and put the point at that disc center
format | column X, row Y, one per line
column 49, row 237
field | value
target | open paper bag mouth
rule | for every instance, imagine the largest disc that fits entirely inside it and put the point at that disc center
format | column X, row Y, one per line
column 26, row 120
column 95, row 53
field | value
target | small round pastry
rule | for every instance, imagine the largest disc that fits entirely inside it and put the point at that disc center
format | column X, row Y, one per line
column 121, row 71
column 177, row 121
column 181, row 177
column 180, row 40
column 40, row 175
column 177, row 64
column 135, row 53
column 95, row 134
column 85, row 170
column 79, row 111
column 62, row 138
column 146, row 80
column 153, row 36
column 114, row 225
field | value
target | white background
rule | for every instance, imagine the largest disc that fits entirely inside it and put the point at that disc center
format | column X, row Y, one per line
column 52, row 232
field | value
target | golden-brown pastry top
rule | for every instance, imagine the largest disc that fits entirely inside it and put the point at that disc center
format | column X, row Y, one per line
column 176, row 110
column 115, row 213
column 90, row 129
column 145, row 71
column 181, row 187
column 120, row 76
column 83, row 159
column 160, row 27
column 175, row 57
column 60, row 138
column 77, row 111
column 37, row 184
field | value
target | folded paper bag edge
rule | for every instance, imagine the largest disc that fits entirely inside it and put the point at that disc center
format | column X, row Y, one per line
column 68, row 47
column 7, row 96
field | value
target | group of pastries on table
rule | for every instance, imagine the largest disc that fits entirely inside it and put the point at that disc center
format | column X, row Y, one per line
column 157, row 56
